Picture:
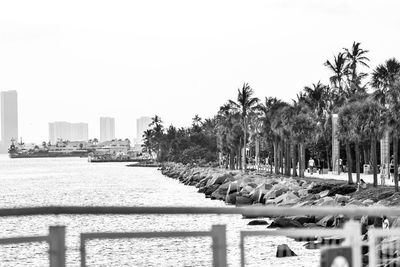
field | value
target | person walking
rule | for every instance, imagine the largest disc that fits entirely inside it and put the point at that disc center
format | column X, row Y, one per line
column 311, row 165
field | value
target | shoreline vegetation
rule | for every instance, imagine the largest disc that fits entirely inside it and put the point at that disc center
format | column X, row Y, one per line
column 341, row 126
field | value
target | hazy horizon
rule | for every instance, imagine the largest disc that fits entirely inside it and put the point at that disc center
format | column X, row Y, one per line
column 77, row 61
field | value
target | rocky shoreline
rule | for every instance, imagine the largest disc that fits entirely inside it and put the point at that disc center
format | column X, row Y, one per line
column 262, row 188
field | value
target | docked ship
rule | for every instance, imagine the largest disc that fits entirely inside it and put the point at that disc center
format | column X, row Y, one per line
column 60, row 149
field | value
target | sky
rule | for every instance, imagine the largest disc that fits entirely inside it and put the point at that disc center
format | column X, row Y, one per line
column 79, row 60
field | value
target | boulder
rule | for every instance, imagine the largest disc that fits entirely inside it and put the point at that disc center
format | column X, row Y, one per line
column 342, row 190
column 284, row 251
column 233, row 187
column 326, row 201
column 303, row 219
column 326, row 221
column 211, row 189
column 312, row 245
column 242, row 200
column 368, row 202
column 288, row 198
column 257, row 222
column 341, row 198
column 284, row 223
column 302, row 192
column 323, row 193
column 231, row 198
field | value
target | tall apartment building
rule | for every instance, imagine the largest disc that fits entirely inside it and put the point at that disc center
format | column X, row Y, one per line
column 68, row 131
column 142, row 124
column 107, row 129
column 9, row 118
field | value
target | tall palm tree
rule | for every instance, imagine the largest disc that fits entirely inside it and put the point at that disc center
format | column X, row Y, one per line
column 270, row 110
column 339, row 69
column 245, row 103
column 355, row 57
column 384, row 79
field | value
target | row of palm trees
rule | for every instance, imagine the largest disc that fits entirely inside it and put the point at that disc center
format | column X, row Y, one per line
column 286, row 131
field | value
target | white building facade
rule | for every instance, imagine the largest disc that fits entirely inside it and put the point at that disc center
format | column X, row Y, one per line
column 9, row 118
column 107, row 129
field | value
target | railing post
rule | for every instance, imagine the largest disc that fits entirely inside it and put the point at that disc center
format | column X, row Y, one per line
column 353, row 231
column 219, row 245
column 57, row 246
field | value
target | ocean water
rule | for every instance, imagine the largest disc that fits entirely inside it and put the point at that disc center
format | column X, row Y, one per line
column 74, row 181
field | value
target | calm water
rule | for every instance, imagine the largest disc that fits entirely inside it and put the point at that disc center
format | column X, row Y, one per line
column 74, row 181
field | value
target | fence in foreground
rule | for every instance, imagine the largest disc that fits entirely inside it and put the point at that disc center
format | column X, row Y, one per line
column 381, row 249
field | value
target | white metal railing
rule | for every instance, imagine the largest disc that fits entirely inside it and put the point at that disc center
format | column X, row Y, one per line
column 351, row 231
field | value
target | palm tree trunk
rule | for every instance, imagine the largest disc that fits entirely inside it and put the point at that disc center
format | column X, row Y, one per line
column 374, row 161
column 294, row 159
column 327, row 158
column 349, row 163
column 302, row 160
column 395, row 163
column 288, row 160
column 244, row 145
column 257, row 143
column 281, row 148
column 239, row 158
column 276, row 166
column 357, row 148
column 232, row 159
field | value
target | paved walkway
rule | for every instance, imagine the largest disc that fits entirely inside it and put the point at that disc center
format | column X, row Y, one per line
column 368, row 178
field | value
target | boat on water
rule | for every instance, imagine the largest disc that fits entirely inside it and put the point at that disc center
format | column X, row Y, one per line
column 114, row 157
column 60, row 149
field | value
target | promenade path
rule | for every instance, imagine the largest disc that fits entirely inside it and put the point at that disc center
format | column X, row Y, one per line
column 368, row 178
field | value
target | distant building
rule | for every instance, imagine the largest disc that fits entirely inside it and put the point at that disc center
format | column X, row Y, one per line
column 142, row 124
column 9, row 119
column 114, row 146
column 68, row 131
column 107, row 129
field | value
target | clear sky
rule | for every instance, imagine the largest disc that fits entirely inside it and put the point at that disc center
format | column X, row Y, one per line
column 79, row 60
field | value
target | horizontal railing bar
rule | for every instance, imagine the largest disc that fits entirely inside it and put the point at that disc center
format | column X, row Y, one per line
column 246, row 211
column 384, row 232
column 104, row 235
column 87, row 236
column 295, row 232
column 28, row 239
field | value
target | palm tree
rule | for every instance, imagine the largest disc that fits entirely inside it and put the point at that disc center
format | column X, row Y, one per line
column 245, row 103
column 384, row 78
column 355, row 57
column 339, row 69
column 147, row 142
column 270, row 110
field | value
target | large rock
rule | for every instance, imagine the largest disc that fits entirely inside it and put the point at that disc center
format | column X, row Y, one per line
column 211, row 189
column 303, row 219
column 326, row 221
column 326, row 201
column 231, row 198
column 284, row 251
column 288, row 198
column 242, row 201
column 342, row 190
column 258, row 222
column 284, row 223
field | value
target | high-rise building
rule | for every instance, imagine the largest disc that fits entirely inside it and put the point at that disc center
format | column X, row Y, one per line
column 68, row 131
column 142, row 124
column 9, row 118
column 107, row 129
column 79, row 131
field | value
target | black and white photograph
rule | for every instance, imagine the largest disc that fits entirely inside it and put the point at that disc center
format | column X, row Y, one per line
column 199, row 133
